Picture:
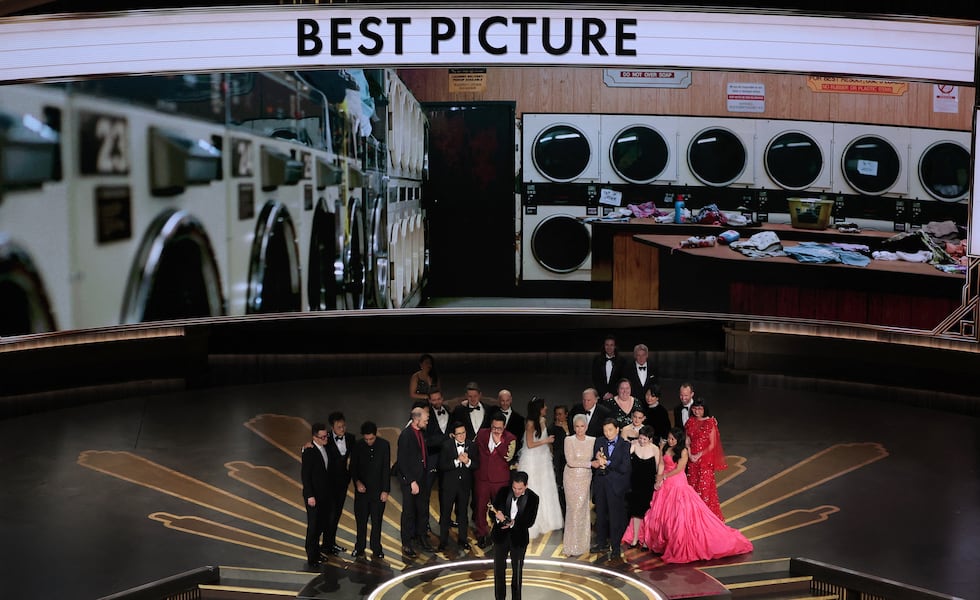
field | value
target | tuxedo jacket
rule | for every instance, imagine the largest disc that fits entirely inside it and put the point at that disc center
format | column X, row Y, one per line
column 462, row 414
column 678, row 416
column 527, row 512
column 638, row 379
column 453, row 477
column 313, row 474
column 371, row 465
column 338, row 471
column 659, row 419
column 599, row 381
column 599, row 414
column 617, row 472
column 495, row 466
column 435, row 436
column 515, row 425
column 410, row 466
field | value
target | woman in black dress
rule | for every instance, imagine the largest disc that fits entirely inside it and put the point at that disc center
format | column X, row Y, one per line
column 645, row 459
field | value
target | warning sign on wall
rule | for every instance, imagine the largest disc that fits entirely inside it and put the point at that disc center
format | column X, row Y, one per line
column 848, row 85
column 467, row 80
column 945, row 98
column 747, row 97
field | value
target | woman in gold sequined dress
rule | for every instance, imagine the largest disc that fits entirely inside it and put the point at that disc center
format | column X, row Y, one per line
column 578, row 484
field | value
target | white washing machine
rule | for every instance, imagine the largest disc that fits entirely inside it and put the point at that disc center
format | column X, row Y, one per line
column 149, row 220
column 871, row 160
column 556, row 242
column 637, row 149
column 794, row 155
column 264, row 205
column 35, row 212
column 717, row 152
column 561, row 148
column 942, row 165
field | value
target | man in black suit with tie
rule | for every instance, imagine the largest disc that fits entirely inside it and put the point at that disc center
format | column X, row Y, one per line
column 339, row 448
column 515, row 509
column 411, row 468
column 457, row 461
column 370, row 468
column 640, row 373
column 682, row 412
column 316, row 496
column 607, row 369
column 611, row 469
column 473, row 413
column 436, row 433
column 593, row 411
column 513, row 420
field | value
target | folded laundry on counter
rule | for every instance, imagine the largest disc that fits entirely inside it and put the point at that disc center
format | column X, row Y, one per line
column 699, row 242
column 760, row 245
column 645, row 210
column 815, row 252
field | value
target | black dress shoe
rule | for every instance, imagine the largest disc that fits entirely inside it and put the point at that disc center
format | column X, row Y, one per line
column 484, row 542
column 598, row 548
column 441, row 548
column 337, row 549
column 465, row 547
column 379, row 555
column 407, row 552
column 356, row 553
column 313, row 566
column 454, row 524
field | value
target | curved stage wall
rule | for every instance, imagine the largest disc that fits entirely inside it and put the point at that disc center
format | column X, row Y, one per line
column 56, row 370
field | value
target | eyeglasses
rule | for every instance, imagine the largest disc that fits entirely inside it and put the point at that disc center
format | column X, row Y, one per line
column 321, row 437
column 496, row 429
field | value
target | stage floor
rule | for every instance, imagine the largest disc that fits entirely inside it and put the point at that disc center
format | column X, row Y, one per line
column 104, row 497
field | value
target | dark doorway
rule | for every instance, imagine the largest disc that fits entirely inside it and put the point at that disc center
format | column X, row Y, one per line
column 469, row 199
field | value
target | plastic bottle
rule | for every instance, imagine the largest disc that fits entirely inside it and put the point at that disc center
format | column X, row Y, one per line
column 679, row 209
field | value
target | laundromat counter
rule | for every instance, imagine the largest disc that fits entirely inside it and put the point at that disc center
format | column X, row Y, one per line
column 648, row 271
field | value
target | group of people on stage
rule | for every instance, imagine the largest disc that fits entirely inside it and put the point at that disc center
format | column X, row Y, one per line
column 650, row 481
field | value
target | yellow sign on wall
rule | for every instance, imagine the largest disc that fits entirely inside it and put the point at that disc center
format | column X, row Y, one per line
column 848, row 85
column 467, row 80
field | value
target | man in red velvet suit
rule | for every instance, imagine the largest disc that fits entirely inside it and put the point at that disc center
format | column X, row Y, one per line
column 497, row 447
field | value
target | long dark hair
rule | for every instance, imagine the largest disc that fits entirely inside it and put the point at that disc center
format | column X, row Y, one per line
column 534, row 413
column 432, row 371
column 681, row 437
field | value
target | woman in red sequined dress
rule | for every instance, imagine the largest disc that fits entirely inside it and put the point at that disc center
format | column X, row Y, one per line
column 678, row 524
column 706, row 456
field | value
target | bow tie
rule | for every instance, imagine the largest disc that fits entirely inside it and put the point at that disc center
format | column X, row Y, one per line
column 685, row 408
column 506, row 413
column 339, row 438
column 472, row 408
column 440, row 412
column 609, row 358
column 642, row 368
column 458, row 445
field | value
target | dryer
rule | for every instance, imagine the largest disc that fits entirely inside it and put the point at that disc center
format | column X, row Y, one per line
column 718, row 152
column 35, row 213
column 560, row 148
column 794, row 155
column 637, row 149
column 150, row 221
column 871, row 160
column 556, row 242
column 942, row 165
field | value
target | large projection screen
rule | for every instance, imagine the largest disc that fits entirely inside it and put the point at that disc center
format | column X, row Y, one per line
column 196, row 44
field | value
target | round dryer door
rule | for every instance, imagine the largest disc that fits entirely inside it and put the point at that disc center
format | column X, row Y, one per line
column 871, row 165
column 944, row 170
column 639, row 154
column 561, row 153
column 793, row 160
column 561, row 243
column 323, row 282
column 716, row 156
column 273, row 278
column 25, row 304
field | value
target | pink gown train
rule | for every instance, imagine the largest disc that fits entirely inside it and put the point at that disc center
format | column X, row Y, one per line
column 681, row 527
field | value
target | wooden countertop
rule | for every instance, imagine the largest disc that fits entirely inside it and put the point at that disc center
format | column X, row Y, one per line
column 720, row 252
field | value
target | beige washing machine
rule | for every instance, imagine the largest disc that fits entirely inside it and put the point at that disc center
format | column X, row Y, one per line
column 718, row 152
column 942, row 165
column 556, row 241
column 871, row 160
column 560, row 148
column 794, row 155
column 638, row 149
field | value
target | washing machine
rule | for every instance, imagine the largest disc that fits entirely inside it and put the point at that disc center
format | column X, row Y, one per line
column 637, row 149
column 149, row 221
column 942, row 165
column 718, row 152
column 561, row 148
column 871, row 160
column 794, row 155
column 556, row 242
column 264, row 203
column 35, row 211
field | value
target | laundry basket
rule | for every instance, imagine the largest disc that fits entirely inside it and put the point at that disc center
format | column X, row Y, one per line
column 809, row 213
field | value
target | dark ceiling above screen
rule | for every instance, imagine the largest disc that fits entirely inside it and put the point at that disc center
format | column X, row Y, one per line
column 942, row 8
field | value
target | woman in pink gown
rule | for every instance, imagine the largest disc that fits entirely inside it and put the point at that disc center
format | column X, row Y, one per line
column 706, row 455
column 679, row 525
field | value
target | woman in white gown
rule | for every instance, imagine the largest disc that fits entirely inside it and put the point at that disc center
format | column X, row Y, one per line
column 535, row 460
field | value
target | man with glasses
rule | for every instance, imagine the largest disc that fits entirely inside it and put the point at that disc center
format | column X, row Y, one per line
column 457, row 461
column 316, row 494
column 496, row 448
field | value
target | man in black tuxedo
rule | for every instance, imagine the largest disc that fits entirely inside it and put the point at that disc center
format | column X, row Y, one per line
column 682, row 412
column 611, row 469
column 639, row 372
column 593, row 411
column 411, row 469
column 513, row 420
column 436, row 433
column 473, row 413
column 515, row 509
column 607, row 369
column 370, row 468
column 316, row 496
column 457, row 461
column 339, row 448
